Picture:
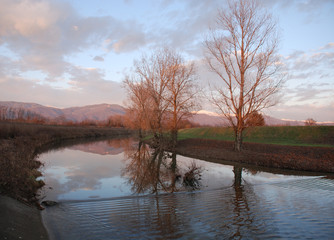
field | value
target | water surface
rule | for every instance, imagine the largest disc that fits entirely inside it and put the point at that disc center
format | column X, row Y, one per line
column 113, row 190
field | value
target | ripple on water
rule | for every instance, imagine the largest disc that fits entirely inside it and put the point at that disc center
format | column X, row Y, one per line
column 302, row 208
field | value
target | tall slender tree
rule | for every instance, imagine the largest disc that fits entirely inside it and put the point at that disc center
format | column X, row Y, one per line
column 182, row 92
column 241, row 50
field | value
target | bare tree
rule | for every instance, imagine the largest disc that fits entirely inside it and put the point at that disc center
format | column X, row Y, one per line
column 182, row 93
column 154, row 74
column 242, row 52
column 161, row 92
column 137, row 104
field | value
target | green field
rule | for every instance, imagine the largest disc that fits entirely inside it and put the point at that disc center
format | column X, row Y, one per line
column 284, row 135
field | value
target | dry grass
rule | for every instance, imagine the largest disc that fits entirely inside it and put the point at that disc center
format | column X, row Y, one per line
column 20, row 144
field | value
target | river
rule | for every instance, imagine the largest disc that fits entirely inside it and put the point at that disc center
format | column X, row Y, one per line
column 114, row 190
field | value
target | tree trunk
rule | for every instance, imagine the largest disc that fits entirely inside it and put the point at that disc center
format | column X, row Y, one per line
column 173, row 164
column 237, row 176
column 238, row 140
column 140, row 133
column 174, row 139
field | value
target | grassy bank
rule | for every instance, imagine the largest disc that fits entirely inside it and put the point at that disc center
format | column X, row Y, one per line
column 20, row 144
column 320, row 136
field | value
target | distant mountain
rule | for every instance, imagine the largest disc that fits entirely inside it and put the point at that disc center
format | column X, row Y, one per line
column 101, row 112
column 206, row 118
column 97, row 112
column 48, row 112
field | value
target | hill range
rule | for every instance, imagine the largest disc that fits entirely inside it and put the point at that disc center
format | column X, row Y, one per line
column 101, row 112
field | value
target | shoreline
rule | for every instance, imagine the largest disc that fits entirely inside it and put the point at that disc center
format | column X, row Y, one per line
column 309, row 159
column 19, row 149
column 19, row 218
column 20, row 145
column 20, row 221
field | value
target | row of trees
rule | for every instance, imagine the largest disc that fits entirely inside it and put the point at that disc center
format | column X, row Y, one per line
column 241, row 51
column 21, row 115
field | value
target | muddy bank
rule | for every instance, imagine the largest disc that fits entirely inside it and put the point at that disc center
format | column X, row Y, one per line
column 19, row 221
column 315, row 159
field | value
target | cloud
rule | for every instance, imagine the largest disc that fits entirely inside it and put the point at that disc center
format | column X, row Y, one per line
column 129, row 38
column 80, row 92
column 98, row 59
column 321, row 113
column 311, row 92
column 45, row 34
column 312, row 9
column 39, row 38
column 327, row 46
column 311, row 65
column 186, row 24
column 33, row 30
column 311, row 86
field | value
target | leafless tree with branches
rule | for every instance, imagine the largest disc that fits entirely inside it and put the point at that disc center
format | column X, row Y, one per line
column 241, row 50
column 161, row 92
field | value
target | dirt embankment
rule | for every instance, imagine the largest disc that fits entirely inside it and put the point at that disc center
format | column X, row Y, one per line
column 316, row 159
column 20, row 145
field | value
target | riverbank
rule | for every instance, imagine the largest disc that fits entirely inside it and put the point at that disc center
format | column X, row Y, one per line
column 315, row 159
column 20, row 144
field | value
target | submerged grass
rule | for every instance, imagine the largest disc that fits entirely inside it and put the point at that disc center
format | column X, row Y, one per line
column 322, row 136
column 20, row 144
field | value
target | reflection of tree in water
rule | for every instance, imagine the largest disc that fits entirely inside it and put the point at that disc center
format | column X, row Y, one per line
column 166, row 221
column 243, row 214
column 154, row 171
column 228, row 213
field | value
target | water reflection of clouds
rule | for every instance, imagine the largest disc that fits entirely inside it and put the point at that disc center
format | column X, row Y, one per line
column 76, row 174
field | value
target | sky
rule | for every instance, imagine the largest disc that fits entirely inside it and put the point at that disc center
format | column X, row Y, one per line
column 74, row 53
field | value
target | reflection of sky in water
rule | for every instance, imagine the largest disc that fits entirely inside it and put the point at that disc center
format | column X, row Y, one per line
column 108, row 187
column 77, row 174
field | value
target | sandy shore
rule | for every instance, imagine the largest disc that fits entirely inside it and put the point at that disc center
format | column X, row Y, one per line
column 19, row 221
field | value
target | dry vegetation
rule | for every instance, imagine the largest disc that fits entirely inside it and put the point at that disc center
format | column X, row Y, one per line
column 20, row 144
